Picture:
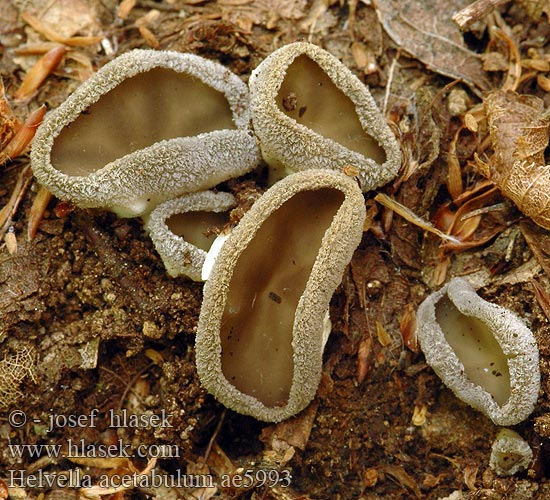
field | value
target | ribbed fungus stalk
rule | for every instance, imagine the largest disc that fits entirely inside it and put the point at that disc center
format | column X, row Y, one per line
column 310, row 111
column 261, row 329
column 147, row 127
column 483, row 352
column 184, row 229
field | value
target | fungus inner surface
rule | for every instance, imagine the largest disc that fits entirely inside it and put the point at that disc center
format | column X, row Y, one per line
column 197, row 228
column 144, row 109
column 267, row 282
column 309, row 96
column 485, row 364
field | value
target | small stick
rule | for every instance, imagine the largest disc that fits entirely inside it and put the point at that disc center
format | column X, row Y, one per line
column 475, row 11
column 410, row 216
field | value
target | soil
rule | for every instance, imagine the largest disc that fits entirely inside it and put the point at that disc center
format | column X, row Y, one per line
column 90, row 321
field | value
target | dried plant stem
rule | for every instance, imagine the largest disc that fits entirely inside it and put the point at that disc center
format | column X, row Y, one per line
column 6, row 214
column 475, row 11
column 410, row 216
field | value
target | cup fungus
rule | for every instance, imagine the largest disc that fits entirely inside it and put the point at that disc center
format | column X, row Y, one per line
column 260, row 335
column 181, row 230
column 147, row 127
column 510, row 453
column 483, row 352
column 308, row 109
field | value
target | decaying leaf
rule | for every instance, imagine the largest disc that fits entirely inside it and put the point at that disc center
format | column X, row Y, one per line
column 427, row 31
column 401, row 476
column 14, row 369
column 518, row 126
column 293, row 432
column 542, row 297
column 9, row 123
column 52, row 34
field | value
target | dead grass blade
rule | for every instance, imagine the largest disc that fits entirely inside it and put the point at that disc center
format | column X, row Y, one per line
column 7, row 212
column 411, row 217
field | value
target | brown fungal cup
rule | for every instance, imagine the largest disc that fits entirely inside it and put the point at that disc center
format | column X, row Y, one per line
column 147, row 127
column 181, row 230
column 260, row 335
column 310, row 111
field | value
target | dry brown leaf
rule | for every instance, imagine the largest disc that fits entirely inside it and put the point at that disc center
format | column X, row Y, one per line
column 518, row 126
column 401, row 476
column 363, row 355
column 426, row 31
column 125, row 7
column 470, row 475
column 454, row 175
column 9, row 123
column 39, row 72
column 542, row 298
column 384, row 338
column 24, row 135
column 36, row 213
column 407, row 327
column 219, row 461
column 293, row 432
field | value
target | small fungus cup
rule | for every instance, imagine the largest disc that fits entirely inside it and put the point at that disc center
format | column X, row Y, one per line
column 147, row 127
column 184, row 229
column 310, row 111
column 510, row 453
column 483, row 352
column 262, row 323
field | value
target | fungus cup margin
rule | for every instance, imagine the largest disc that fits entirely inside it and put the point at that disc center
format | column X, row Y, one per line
column 515, row 339
column 290, row 145
column 181, row 258
column 338, row 244
column 133, row 184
